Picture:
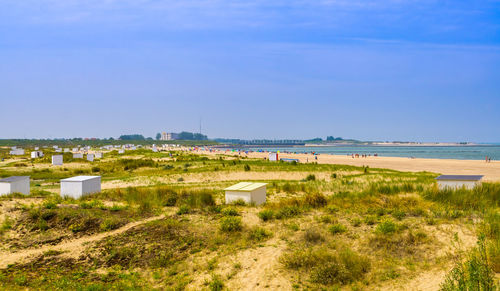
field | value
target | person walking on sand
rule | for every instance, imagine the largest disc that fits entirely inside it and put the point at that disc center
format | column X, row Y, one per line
column 486, row 158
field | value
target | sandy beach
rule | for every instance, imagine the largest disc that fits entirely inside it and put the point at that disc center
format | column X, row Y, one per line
column 491, row 171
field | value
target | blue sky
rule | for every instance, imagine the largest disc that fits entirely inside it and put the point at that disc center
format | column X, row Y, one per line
column 372, row 70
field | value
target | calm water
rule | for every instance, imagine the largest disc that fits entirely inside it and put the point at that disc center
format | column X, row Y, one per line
column 432, row 152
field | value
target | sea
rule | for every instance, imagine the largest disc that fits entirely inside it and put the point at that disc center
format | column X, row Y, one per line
column 468, row 152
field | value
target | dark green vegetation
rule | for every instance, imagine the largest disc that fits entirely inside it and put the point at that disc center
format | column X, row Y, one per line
column 330, row 226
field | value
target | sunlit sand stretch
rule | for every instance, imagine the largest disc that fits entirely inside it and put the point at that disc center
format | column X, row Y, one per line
column 491, row 171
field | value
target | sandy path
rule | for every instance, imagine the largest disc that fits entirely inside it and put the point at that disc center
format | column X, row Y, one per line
column 491, row 171
column 71, row 248
column 260, row 269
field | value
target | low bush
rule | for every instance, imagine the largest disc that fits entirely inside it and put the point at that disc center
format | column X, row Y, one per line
column 386, row 227
column 310, row 177
column 231, row 224
column 312, row 235
column 183, row 209
column 259, row 234
column 315, row 200
column 288, row 212
column 230, row 212
column 266, row 214
column 337, row 228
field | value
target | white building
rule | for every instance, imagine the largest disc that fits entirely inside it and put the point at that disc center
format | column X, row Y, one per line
column 36, row 154
column 247, row 191
column 169, row 136
column 66, row 150
column 273, row 156
column 57, row 160
column 77, row 156
column 75, row 149
column 17, row 152
column 90, row 157
column 58, row 151
column 15, row 184
column 79, row 186
column 121, row 151
column 98, row 155
column 458, row 181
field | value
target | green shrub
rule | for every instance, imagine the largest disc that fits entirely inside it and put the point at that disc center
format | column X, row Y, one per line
column 266, row 214
column 386, row 227
column 344, row 268
column 231, row 224
column 287, row 212
column 310, row 177
column 239, row 202
column 247, row 168
column 334, row 176
column 180, row 179
column 216, row 284
column 259, row 234
column 370, row 220
column 109, row 224
column 50, row 205
column 183, row 209
column 398, row 214
column 312, row 235
column 356, row 222
column 315, row 200
column 337, row 228
column 230, row 212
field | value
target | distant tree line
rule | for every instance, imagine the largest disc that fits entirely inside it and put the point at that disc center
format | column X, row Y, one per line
column 132, row 137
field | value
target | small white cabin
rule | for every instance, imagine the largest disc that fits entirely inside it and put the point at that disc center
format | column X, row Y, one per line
column 57, row 160
column 15, row 184
column 66, row 150
column 458, row 181
column 247, row 191
column 273, row 156
column 121, row 151
column 98, row 155
column 36, row 154
column 17, row 152
column 79, row 186
column 77, row 156
column 90, row 157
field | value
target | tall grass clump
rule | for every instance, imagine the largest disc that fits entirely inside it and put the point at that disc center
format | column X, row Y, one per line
column 231, row 224
column 482, row 197
column 474, row 273
column 315, row 200
column 327, row 267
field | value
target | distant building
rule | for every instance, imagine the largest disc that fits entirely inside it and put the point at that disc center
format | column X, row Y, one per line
column 458, row 181
column 36, row 154
column 169, row 136
column 17, row 152
column 57, row 160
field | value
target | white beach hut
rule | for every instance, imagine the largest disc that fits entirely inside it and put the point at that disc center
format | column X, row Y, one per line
column 90, row 157
column 247, row 191
column 121, row 151
column 36, row 154
column 98, row 155
column 15, row 184
column 77, row 156
column 273, row 156
column 57, row 160
column 79, row 186
column 458, row 181
column 66, row 150
column 17, row 152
